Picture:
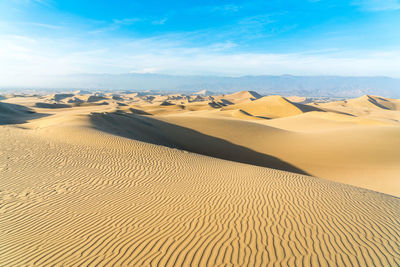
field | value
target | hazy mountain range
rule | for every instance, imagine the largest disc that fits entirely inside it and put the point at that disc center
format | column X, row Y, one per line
column 317, row 86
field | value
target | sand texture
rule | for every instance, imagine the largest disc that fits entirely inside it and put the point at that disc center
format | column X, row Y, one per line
column 129, row 181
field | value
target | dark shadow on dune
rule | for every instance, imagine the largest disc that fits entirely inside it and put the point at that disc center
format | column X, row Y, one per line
column 94, row 98
column 376, row 103
column 59, row 97
column 214, row 105
column 16, row 114
column 225, row 102
column 51, row 105
column 150, row 130
column 88, row 104
column 334, row 111
column 166, row 103
column 248, row 114
column 306, row 108
column 139, row 111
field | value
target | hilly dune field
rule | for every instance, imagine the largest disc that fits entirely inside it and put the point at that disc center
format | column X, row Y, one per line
column 139, row 179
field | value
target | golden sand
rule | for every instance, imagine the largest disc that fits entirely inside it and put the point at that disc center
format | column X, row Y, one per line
column 105, row 184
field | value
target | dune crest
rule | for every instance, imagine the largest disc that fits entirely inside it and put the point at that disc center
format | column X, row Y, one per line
column 271, row 107
column 375, row 102
column 241, row 96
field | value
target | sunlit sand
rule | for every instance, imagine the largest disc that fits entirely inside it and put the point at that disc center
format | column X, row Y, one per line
column 242, row 179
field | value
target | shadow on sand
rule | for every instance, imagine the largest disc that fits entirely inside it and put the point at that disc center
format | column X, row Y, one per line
column 150, row 130
column 16, row 114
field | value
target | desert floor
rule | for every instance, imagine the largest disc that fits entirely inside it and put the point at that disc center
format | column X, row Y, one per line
column 137, row 179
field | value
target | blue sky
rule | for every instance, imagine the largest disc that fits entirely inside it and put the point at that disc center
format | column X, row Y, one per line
column 234, row 38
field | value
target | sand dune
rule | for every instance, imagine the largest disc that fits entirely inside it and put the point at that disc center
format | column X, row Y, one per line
column 241, row 114
column 59, row 97
column 373, row 107
column 94, row 198
column 51, row 105
column 316, row 121
column 271, row 107
column 75, row 100
column 112, row 185
column 297, row 99
column 366, row 156
column 374, row 102
column 13, row 113
column 242, row 96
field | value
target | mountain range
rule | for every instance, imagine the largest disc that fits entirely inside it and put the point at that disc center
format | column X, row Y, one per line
column 315, row 86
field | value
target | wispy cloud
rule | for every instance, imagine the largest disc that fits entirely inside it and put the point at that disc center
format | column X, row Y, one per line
column 126, row 21
column 378, row 5
column 258, row 21
column 222, row 46
column 114, row 25
column 222, row 9
column 160, row 21
column 225, row 8
column 43, row 25
column 22, row 59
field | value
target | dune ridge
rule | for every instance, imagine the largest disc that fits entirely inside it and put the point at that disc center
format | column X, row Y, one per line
column 375, row 102
column 271, row 107
column 365, row 155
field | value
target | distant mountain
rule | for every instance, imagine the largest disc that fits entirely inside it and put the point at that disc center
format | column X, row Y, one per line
column 316, row 86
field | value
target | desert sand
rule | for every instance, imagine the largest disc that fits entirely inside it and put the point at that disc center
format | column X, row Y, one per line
column 134, row 179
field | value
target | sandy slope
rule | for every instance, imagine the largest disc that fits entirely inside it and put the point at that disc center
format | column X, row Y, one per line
column 13, row 113
column 373, row 107
column 362, row 155
column 271, row 107
column 369, row 102
column 353, row 141
column 238, row 97
column 103, row 185
column 72, row 195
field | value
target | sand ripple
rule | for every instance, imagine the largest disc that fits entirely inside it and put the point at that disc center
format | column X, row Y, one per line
column 98, row 199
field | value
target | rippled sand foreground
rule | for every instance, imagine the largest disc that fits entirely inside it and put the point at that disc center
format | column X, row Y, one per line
column 78, row 190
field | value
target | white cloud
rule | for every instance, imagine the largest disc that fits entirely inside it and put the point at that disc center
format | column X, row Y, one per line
column 24, row 57
column 145, row 70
